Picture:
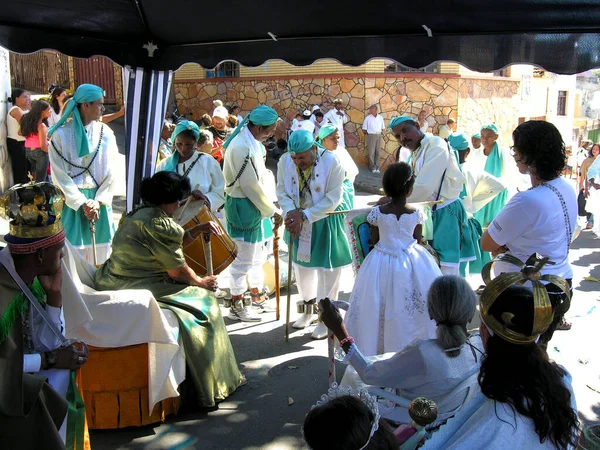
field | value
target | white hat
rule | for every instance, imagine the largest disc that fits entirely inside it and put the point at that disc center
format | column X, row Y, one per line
column 306, row 113
column 314, row 108
column 220, row 111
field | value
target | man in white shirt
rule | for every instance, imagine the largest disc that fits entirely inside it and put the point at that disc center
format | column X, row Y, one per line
column 423, row 124
column 236, row 110
column 306, row 123
column 338, row 117
column 315, row 109
column 373, row 127
column 476, row 142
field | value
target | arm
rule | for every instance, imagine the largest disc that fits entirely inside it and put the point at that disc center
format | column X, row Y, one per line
column 333, row 196
column 186, row 275
column 60, row 174
column 106, row 118
column 17, row 113
column 346, row 118
column 251, row 187
column 418, row 233
column 285, row 201
column 514, row 220
column 430, row 176
column 43, row 137
column 216, row 192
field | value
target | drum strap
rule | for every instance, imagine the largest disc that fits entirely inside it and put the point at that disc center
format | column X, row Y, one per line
column 239, row 175
column 189, row 169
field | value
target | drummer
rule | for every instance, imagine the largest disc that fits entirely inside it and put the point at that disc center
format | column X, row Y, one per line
column 202, row 169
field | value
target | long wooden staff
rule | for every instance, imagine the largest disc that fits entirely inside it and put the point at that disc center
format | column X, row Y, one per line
column 278, row 220
column 289, row 288
column 207, row 254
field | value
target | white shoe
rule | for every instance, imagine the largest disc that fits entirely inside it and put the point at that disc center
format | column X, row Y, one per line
column 244, row 314
column 373, row 170
column 219, row 293
column 377, row 171
column 320, row 331
column 304, row 321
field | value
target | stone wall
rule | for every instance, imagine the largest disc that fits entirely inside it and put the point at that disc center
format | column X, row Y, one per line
column 482, row 101
column 438, row 95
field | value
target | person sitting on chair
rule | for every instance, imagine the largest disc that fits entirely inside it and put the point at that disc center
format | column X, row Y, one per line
column 430, row 368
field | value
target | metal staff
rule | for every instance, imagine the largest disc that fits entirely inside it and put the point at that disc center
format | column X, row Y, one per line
column 289, row 288
column 277, row 223
column 93, row 232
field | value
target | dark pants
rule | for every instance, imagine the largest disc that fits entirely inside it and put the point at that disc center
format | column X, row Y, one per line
column 560, row 305
column 38, row 159
column 18, row 160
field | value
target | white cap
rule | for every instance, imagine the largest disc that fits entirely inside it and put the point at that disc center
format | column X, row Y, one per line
column 306, row 113
column 220, row 111
column 314, row 108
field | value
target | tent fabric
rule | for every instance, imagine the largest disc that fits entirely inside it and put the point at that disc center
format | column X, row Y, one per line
column 560, row 36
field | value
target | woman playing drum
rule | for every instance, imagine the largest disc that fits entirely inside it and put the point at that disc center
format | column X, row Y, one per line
column 148, row 254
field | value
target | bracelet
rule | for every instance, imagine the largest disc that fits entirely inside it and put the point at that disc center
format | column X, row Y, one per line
column 348, row 340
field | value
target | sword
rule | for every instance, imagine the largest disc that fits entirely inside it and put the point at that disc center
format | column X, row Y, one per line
column 93, row 232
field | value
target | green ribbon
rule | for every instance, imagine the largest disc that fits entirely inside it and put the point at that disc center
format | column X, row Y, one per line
column 17, row 308
column 75, row 416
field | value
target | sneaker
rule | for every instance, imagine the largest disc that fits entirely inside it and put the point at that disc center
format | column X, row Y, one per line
column 244, row 314
column 219, row 293
column 373, row 170
column 377, row 171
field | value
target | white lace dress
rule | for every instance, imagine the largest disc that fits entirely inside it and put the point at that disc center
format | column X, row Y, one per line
column 388, row 306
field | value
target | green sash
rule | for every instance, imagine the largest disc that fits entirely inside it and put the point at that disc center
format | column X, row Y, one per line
column 17, row 308
column 75, row 416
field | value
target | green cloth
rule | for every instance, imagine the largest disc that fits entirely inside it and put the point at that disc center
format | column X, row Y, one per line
column 75, row 416
column 84, row 94
column 476, row 265
column 493, row 166
column 173, row 160
column 326, row 130
column 146, row 245
column 453, row 239
column 398, row 120
column 300, row 141
column 476, row 135
column 329, row 247
column 490, row 126
column 77, row 227
column 348, row 195
column 262, row 115
column 458, row 141
column 17, row 307
column 245, row 222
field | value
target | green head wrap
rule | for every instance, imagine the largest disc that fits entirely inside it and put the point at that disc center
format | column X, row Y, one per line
column 301, row 141
column 458, row 141
column 185, row 125
column 398, row 120
column 262, row 115
column 84, row 93
column 490, row 126
column 326, row 130
column 476, row 135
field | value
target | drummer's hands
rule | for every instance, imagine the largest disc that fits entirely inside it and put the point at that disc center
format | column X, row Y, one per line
column 209, row 283
column 293, row 222
column 207, row 227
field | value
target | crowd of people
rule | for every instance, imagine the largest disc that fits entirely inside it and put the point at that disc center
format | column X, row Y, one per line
column 454, row 204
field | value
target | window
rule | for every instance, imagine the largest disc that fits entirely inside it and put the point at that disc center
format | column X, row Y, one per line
column 561, row 107
column 228, row 69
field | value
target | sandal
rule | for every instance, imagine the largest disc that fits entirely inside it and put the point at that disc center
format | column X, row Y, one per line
column 564, row 325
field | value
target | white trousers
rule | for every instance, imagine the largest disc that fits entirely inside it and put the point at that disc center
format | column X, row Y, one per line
column 315, row 282
column 103, row 252
column 248, row 263
column 450, row 270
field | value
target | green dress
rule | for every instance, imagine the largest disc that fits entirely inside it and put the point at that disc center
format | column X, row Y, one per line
column 146, row 245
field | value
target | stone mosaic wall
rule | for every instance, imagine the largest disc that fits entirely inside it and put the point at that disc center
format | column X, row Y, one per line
column 465, row 100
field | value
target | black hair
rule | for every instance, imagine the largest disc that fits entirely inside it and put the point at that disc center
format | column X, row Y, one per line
column 55, row 92
column 591, row 150
column 204, row 137
column 15, row 94
column 462, row 155
column 229, row 109
column 318, row 114
column 523, row 376
column 29, row 121
column 398, row 180
column 282, row 144
column 540, row 145
column 235, row 106
column 206, row 120
column 352, row 420
column 165, row 187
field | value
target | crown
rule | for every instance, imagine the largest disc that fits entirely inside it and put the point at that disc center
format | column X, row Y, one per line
column 542, row 308
column 33, row 210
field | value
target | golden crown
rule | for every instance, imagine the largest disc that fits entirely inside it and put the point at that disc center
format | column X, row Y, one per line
column 529, row 272
column 33, row 210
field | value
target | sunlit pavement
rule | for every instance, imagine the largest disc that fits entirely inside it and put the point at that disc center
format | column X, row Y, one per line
column 260, row 416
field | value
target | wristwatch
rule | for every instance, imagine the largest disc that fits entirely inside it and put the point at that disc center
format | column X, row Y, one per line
column 51, row 359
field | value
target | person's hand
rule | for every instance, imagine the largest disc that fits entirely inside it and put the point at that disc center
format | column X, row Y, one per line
column 209, row 283
column 293, row 222
column 586, row 192
column 277, row 220
column 200, row 196
column 70, row 357
column 52, row 284
column 90, row 210
column 339, row 113
column 595, row 185
column 207, row 227
column 499, row 251
column 383, row 201
column 331, row 316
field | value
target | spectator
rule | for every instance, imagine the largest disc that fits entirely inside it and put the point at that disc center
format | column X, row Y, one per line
column 339, row 118
column 21, row 100
column 34, row 126
column 235, row 111
column 374, row 127
column 57, row 98
column 220, row 131
column 584, row 183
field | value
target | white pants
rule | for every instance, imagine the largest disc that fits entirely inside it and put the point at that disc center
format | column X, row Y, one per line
column 450, row 270
column 315, row 282
column 103, row 252
column 249, row 262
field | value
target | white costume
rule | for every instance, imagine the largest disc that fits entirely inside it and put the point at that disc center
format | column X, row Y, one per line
column 480, row 187
column 510, row 176
column 388, row 305
column 203, row 170
column 78, row 184
column 333, row 117
column 422, row 369
column 307, row 125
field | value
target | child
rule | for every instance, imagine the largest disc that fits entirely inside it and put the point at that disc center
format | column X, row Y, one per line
column 388, row 307
column 34, row 127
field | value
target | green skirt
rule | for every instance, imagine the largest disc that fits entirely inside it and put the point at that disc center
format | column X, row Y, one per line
column 477, row 264
column 329, row 247
column 244, row 221
column 211, row 363
column 77, row 227
column 453, row 238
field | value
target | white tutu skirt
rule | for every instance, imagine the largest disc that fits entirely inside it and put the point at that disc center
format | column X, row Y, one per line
column 388, row 306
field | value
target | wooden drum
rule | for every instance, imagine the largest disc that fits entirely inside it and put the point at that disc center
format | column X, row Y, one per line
column 224, row 249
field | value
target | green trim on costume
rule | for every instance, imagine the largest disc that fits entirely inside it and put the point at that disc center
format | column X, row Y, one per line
column 77, row 226
column 17, row 308
column 244, row 221
column 75, row 416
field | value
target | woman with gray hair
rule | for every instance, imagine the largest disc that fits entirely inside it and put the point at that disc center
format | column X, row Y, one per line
column 431, row 368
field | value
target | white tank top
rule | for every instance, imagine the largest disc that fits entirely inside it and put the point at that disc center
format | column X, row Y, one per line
column 13, row 126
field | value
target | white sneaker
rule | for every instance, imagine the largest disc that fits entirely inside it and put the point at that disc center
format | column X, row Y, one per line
column 377, row 171
column 373, row 170
column 320, row 331
column 219, row 293
column 244, row 314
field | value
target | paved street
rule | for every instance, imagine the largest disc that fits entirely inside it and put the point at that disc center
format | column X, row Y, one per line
column 258, row 415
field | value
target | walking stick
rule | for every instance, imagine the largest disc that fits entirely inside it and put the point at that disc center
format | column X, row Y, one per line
column 277, row 223
column 93, row 232
column 289, row 288
column 207, row 254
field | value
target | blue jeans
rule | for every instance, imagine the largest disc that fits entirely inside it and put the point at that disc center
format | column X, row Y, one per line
column 38, row 159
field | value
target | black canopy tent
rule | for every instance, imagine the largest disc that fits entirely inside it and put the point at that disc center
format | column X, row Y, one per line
column 154, row 37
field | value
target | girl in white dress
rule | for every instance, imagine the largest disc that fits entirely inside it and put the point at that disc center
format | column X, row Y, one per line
column 388, row 306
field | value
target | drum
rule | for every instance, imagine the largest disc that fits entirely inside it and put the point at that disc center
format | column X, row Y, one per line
column 269, row 271
column 224, row 249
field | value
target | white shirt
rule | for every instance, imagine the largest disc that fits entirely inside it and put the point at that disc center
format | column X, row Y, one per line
column 239, row 118
column 481, row 188
column 54, row 118
column 425, row 127
column 13, row 125
column 533, row 221
column 337, row 120
column 305, row 125
column 374, row 124
column 403, row 154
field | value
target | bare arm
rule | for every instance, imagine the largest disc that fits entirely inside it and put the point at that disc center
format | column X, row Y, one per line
column 106, row 118
column 186, row 275
column 374, row 234
column 418, row 233
column 489, row 245
column 43, row 137
column 17, row 113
